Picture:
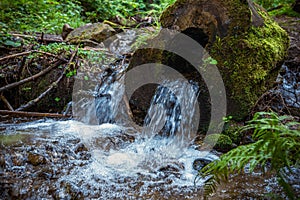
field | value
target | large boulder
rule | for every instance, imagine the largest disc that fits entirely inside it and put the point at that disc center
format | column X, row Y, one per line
column 249, row 47
column 91, row 34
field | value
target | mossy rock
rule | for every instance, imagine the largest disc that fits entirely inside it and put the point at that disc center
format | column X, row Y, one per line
column 89, row 33
column 219, row 142
column 232, row 130
column 249, row 47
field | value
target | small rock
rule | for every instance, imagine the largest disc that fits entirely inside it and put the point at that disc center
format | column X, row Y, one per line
column 80, row 147
column 199, row 163
column 36, row 159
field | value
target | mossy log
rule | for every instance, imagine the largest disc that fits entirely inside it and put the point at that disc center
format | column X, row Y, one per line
column 247, row 43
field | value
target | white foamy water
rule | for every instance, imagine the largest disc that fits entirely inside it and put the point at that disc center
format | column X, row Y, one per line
column 123, row 163
column 149, row 164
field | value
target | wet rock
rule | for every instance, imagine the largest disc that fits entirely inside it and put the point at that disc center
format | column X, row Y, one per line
column 66, row 30
column 91, row 34
column 2, row 162
column 248, row 55
column 36, row 159
column 172, row 169
column 199, row 163
column 80, row 147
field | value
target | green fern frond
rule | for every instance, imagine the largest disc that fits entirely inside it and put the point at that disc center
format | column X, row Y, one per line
column 277, row 141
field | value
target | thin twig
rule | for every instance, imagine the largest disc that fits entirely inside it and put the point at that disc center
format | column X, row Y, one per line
column 16, row 55
column 128, row 110
column 6, row 102
column 29, row 52
column 32, row 114
column 52, row 55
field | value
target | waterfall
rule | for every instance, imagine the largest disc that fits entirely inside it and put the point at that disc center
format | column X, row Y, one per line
column 173, row 111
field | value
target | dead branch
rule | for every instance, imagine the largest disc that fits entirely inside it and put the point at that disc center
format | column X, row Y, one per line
column 6, row 102
column 34, row 101
column 53, row 85
column 29, row 52
column 128, row 110
column 45, row 38
column 32, row 114
column 12, row 85
column 16, row 55
column 52, row 55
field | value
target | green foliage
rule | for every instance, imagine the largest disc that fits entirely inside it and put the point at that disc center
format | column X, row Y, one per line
column 57, row 99
column 158, row 6
column 278, row 7
column 7, row 40
column 99, row 10
column 40, row 15
column 277, row 141
column 221, row 142
column 50, row 15
column 71, row 73
column 56, row 48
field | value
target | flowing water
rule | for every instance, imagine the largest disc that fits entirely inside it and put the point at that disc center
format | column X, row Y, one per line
column 101, row 154
column 72, row 159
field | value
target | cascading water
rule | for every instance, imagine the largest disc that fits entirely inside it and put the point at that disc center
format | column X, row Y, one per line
column 102, row 156
column 172, row 112
column 161, row 153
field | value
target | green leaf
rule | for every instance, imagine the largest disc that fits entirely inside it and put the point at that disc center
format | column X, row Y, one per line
column 213, row 62
column 12, row 43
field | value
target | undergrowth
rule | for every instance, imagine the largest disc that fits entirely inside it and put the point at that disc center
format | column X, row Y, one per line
column 276, row 146
column 49, row 16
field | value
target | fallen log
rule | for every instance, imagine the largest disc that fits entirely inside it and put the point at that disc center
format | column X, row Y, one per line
column 41, row 37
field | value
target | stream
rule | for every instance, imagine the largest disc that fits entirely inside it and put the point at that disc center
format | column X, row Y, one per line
column 100, row 154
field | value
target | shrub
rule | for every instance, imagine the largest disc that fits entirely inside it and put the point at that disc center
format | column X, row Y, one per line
column 40, row 15
column 277, row 140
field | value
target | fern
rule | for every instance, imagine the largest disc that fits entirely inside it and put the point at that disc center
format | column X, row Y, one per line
column 277, row 140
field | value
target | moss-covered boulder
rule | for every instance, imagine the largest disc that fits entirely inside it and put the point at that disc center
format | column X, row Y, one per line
column 219, row 142
column 90, row 34
column 249, row 46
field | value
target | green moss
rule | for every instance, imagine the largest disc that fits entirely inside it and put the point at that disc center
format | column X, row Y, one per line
column 248, row 59
column 232, row 131
column 221, row 142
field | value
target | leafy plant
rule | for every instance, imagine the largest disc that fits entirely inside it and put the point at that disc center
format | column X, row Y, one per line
column 71, row 73
column 40, row 15
column 277, row 142
column 278, row 7
column 7, row 40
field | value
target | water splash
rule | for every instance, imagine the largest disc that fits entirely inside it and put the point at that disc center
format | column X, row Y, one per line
column 172, row 112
